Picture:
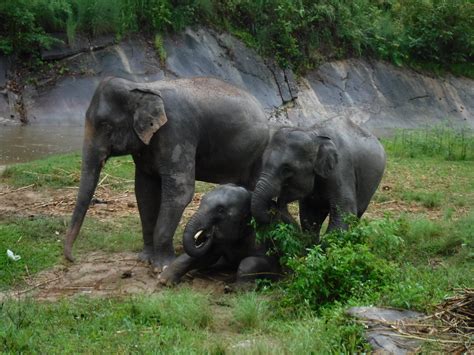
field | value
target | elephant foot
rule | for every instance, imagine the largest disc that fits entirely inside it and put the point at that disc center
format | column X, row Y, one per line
column 168, row 278
column 146, row 255
column 161, row 261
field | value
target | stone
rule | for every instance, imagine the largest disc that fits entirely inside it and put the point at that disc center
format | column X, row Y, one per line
column 381, row 337
column 66, row 102
column 383, row 97
column 206, row 53
column 374, row 94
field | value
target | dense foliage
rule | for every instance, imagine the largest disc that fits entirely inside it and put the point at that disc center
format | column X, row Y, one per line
column 299, row 33
column 346, row 265
column 371, row 261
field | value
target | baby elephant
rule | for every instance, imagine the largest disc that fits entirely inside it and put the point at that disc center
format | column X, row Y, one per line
column 220, row 230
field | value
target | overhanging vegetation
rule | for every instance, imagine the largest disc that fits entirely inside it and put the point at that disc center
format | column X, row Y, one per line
column 300, row 34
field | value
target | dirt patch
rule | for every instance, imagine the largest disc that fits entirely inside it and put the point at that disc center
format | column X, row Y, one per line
column 100, row 274
column 106, row 204
column 109, row 204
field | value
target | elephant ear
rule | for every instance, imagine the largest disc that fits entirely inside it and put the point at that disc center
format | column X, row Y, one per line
column 327, row 158
column 149, row 113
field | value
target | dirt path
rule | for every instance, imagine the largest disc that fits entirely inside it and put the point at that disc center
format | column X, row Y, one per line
column 100, row 274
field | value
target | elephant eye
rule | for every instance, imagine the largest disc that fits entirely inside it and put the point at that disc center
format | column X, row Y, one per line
column 286, row 170
column 106, row 125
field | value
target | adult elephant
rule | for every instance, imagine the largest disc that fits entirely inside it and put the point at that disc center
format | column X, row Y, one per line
column 332, row 168
column 220, row 232
column 177, row 131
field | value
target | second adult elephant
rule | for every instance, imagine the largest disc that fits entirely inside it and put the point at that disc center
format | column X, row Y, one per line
column 332, row 168
column 177, row 131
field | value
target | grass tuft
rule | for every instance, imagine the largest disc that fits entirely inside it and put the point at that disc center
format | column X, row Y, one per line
column 250, row 311
column 184, row 308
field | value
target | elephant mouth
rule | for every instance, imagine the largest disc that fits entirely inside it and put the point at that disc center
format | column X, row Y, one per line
column 202, row 237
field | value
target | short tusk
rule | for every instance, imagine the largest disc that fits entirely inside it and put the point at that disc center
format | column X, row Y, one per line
column 196, row 236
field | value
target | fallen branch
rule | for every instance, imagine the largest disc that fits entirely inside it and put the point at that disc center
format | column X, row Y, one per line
column 16, row 190
column 37, row 285
column 428, row 339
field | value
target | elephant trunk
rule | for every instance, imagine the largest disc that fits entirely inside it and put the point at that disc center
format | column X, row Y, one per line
column 92, row 163
column 198, row 235
column 262, row 201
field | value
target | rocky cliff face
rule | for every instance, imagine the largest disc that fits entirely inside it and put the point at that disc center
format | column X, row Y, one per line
column 375, row 94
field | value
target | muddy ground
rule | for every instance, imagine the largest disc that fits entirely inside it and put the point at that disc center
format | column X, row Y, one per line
column 117, row 274
column 98, row 273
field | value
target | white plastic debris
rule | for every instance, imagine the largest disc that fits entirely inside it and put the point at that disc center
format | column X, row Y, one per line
column 12, row 255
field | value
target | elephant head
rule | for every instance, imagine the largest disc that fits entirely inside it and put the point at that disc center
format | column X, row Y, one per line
column 121, row 119
column 291, row 162
column 222, row 218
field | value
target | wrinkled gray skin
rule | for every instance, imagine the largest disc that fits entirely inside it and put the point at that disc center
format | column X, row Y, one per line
column 177, row 131
column 220, row 232
column 332, row 168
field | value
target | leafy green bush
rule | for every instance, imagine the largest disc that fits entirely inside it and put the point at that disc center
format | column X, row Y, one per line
column 376, row 259
column 297, row 33
column 335, row 275
column 437, row 30
column 19, row 30
column 283, row 240
column 340, row 272
column 347, row 264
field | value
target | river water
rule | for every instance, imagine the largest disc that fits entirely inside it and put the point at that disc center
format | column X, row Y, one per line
column 24, row 143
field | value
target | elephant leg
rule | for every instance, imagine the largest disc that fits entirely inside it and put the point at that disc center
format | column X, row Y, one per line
column 184, row 263
column 258, row 267
column 148, row 194
column 340, row 207
column 313, row 212
column 176, row 193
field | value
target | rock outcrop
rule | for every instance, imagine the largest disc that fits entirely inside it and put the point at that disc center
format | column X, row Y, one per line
column 375, row 94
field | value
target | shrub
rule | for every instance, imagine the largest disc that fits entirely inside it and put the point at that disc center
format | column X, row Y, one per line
column 437, row 30
column 282, row 239
column 336, row 274
column 349, row 263
column 19, row 30
column 297, row 33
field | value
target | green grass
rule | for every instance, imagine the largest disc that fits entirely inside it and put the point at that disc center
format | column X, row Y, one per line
column 173, row 321
column 427, row 199
column 251, row 311
column 432, row 142
column 427, row 241
column 170, row 322
column 39, row 241
column 438, row 186
column 65, row 170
